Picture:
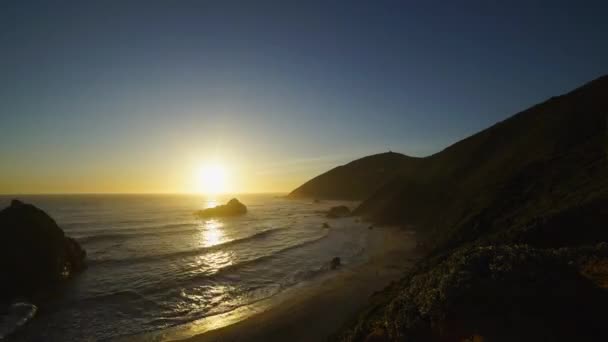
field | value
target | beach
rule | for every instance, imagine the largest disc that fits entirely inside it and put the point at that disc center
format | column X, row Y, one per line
column 157, row 272
column 317, row 309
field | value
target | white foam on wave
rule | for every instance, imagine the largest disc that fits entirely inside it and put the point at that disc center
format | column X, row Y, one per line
column 18, row 315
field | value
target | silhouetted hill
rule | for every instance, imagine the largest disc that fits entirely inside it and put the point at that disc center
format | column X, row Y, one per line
column 356, row 180
column 515, row 221
column 515, row 218
column 532, row 166
column 523, row 170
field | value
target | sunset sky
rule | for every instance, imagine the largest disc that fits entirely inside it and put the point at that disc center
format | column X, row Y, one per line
column 138, row 97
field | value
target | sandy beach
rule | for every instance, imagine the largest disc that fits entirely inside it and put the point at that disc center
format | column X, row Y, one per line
column 317, row 309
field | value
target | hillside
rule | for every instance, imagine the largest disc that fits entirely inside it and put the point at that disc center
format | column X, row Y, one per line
column 513, row 220
column 356, row 180
column 531, row 166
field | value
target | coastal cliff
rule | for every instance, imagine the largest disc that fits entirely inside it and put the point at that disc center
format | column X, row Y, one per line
column 513, row 221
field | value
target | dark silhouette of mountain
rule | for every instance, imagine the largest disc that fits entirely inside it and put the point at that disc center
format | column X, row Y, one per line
column 356, row 180
column 530, row 167
column 513, row 220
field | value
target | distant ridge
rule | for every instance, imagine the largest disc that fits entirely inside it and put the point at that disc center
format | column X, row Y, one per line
column 513, row 221
column 540, row 161
column 356, row 180
column 550, row 156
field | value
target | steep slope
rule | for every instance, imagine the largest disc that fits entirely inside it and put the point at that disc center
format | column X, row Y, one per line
column 356, row 180
column 530, row 166
column 515, row 217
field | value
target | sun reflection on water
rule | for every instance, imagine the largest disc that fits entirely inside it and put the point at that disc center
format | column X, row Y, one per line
column 212, row 233
column 211, row 263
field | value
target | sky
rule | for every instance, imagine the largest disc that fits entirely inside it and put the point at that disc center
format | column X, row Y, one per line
column 138, row 96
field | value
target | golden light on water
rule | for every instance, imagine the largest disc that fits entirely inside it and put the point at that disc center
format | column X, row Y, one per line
column 212, row 233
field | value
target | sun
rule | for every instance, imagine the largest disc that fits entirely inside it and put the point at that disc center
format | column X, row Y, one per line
column 212, row 179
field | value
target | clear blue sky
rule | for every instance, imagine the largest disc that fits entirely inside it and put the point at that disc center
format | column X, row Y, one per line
column 131, row 96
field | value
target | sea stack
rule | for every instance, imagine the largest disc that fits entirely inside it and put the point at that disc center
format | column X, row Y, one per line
column 34, row 251
column 232, row 208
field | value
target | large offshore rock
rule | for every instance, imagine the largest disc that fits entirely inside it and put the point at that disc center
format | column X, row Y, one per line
column 232, row 208
column 34, row 251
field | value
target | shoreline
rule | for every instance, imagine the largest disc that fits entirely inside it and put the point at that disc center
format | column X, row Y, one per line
column 312, row 310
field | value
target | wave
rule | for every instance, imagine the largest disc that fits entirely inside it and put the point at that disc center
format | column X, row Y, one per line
column 79, row 234
column 120, row 296
column 173, row 319
column 126, row 236
column 184, row 279
column 186, row 253
column 97, row 220
column 18, row 314
column 254, row 261
column 268, row 256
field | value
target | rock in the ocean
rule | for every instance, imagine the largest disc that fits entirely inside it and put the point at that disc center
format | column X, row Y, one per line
column 335, row 263
column 339, row 211
column 34, row 251
column 76, row 255
column 232, row 208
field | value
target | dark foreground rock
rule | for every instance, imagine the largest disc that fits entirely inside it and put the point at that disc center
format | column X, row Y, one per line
column 339, row 211
column 495, row 293
column 35, row 254
column 232, row 208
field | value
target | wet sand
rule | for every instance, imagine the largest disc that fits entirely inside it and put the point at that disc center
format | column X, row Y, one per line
column 317, row 309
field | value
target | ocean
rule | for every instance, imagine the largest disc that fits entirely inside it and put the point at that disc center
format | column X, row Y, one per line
column 153, row 265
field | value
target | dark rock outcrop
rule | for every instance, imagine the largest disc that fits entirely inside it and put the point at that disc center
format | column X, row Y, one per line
column 335, row 263
column 34, row 251
column 337, row 212
column 232, row 208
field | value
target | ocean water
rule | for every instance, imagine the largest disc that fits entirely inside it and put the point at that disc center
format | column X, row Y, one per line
column 153, row 264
